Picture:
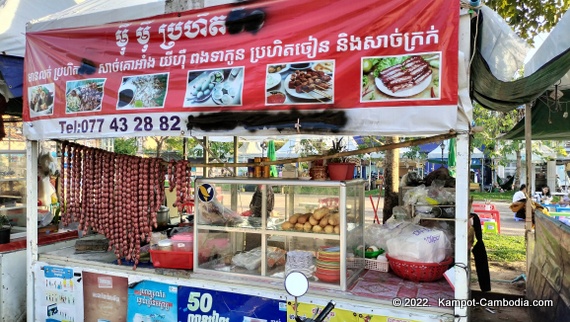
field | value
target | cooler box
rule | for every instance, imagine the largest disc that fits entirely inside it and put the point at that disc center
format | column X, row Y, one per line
column 183, row 242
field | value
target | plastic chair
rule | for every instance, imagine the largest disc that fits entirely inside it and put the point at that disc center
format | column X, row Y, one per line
column 482, row 206
column 490, row 227
column 492, row 213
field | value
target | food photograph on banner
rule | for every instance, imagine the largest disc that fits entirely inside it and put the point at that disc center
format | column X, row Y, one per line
column 214, row 87
column 404, row 77
column 41, row 99
column 300, row 83
column 84, row 95
column 143, row 91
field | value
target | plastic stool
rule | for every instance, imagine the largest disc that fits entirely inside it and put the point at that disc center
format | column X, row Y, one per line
column 518, row 219
column 490, row 226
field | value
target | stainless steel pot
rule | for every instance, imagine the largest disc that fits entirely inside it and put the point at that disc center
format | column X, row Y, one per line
column 163, row 216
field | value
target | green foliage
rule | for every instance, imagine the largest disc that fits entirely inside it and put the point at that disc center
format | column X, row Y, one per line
column 531, row 17
column 502, row 248
column 222, row 150
column 125, row 146
column 494, row 124
column 493, row 196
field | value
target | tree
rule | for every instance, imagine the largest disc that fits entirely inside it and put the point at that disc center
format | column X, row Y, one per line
column 531, row 17
column 159, row 140
column 391, row 179
column 125, row 146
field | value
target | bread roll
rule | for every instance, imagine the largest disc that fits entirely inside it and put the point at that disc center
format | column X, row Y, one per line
column 317, row 229
column 324, row 221
column 286, row 225
column 293, row 219
column 334, row 219
column 308, row 227
column 303, row 218
column 329, row 229
column 320, row 213
column 313, row 220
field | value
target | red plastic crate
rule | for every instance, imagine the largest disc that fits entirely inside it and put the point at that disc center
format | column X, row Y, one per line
column 172, row 259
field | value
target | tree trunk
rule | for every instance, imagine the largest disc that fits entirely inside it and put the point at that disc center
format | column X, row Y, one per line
column 391, row 179
column 518, row 170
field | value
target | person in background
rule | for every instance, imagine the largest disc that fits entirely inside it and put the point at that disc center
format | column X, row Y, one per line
column 520, row 197
column 546, row 197
column 255, row 204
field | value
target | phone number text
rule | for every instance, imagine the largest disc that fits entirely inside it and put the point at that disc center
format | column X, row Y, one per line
column 121, row 124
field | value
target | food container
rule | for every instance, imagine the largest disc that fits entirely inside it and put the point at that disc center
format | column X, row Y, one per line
column 183, row 242
column 165, row 244
column 172, row 259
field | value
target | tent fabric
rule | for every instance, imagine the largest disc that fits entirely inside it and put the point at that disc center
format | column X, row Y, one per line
column 14, row 15
column 90, row 13
column 250, row 149
column 555, row 44
column 502, row 47
column 11, row 71
column 547, row 117
column 435, row 153
column 548, row 68
column 501, row 96
column 452, row 156
column 547, row 123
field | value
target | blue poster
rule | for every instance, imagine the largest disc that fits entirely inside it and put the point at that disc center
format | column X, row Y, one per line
column 59, row 294
column 196, row 305
column 152, row 302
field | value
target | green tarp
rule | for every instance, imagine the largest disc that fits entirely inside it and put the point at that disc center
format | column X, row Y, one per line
column 547, row 120
column 501, row 96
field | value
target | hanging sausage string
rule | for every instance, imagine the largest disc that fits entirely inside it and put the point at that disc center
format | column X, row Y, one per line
column 118, row 196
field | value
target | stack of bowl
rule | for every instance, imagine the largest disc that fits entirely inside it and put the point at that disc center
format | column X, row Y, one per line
column 328, row 264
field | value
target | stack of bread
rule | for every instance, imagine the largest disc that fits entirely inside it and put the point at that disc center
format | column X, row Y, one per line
column 322, row 220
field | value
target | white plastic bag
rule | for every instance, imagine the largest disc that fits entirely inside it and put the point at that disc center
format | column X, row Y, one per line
column 419, row 244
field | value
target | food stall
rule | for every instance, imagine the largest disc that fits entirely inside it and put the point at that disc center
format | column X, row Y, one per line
column 240, row 70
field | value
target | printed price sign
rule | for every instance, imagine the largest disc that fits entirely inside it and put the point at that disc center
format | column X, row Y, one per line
column 195, row 304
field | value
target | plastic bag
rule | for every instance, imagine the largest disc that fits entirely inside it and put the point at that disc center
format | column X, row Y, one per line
column 415, row 195
column 437, row 192
column 419, row 244
column 214, row 213
column 378, row 235
column 251, row 260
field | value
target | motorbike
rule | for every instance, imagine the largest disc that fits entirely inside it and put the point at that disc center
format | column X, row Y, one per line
column 297, row 284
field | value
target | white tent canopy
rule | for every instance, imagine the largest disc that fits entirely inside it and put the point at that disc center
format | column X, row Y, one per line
column 91, row 13
column 556, row 43
column 250, row 149
column 15, row 14
column 436, row 154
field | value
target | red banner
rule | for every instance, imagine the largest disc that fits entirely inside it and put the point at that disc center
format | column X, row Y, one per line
column 159, row 75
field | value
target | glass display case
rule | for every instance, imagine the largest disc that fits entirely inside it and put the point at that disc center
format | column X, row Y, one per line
column 268, row 227
column 13, row 188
